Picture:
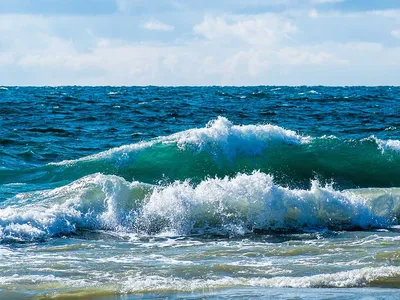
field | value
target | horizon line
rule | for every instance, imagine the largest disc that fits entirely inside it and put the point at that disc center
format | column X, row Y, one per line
column 195, row 86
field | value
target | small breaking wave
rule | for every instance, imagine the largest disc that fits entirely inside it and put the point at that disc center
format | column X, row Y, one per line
column 354, row 278
column 385, row 276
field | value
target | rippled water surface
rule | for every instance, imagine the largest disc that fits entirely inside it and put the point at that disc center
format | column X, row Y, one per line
column 191, row 192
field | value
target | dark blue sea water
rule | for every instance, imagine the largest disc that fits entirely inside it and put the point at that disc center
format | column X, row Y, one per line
column 180, row 190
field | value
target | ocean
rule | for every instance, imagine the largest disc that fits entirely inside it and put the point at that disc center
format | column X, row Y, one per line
column 200, row 192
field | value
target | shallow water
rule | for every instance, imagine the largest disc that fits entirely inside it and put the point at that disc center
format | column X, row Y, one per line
column 213, row 192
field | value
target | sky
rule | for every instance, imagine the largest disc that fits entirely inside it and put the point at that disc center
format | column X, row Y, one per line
column 199, row 42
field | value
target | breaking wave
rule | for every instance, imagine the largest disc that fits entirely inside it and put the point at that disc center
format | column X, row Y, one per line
column 223, row 149
column 246, row 203
column 354, row 278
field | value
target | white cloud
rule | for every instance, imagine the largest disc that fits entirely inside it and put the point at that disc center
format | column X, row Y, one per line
column 157, row 25
column 228, row 49
column 396, row 33
column 118, row 63
column 266, row 29
column 309, row 56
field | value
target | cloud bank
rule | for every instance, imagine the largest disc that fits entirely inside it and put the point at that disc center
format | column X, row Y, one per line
column 275, row 42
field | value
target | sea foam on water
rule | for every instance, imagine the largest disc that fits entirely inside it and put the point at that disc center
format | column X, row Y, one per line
column 243, row 204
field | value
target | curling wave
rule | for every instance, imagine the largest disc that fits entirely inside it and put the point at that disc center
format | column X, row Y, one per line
column 223, row 149
column 242, row 204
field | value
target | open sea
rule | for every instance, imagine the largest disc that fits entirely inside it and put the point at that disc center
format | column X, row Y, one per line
column 200, row 192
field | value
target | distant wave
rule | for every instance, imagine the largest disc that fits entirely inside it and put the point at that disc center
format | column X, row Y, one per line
column 246, row 203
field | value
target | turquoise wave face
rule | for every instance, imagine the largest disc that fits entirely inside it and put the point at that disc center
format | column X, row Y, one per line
column 222, row 148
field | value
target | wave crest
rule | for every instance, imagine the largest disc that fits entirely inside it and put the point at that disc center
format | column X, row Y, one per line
column 217, row 136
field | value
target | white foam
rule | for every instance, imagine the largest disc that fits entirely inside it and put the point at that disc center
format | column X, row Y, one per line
column 236, row 205
column 384, row 145
column 139, row 284
column 250, row 139
column 249, row 202
column 390, row 144
column 46, row 280
column 95, row 201
column 353, row 278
